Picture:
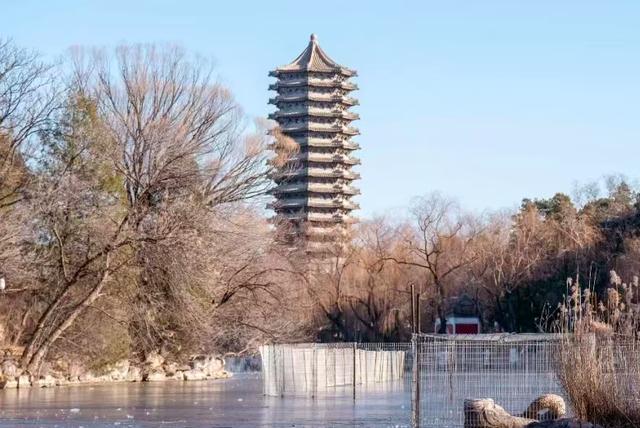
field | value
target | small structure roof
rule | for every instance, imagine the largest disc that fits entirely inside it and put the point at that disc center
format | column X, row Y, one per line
column 462, row 306
column 313, row 58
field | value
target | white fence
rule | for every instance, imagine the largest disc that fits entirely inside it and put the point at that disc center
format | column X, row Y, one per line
column 309, row 369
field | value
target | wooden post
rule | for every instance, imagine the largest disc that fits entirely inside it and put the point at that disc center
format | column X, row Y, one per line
column 413, row 309
column 415, row 329
column 418, row 321
column 314, row 374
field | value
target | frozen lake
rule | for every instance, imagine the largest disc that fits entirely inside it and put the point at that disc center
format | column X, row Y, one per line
column 235, row 402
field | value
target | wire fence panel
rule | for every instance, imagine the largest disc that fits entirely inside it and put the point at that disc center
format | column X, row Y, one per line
column 440, row 371
column 312, row 368
column 513, row 370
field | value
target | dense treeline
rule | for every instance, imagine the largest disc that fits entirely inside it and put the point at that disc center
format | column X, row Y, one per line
column 511, row 266
column 131, row 221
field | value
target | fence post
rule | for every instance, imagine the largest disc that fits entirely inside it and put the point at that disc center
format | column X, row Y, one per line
column 314, row 373
column 283, row 364
column 413, row 309
column 355, row 351
column 418, row 320
column 415, row 390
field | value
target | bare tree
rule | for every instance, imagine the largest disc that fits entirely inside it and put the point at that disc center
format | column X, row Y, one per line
column 168, row 143
column 440, row 246
column 379, row 296
column 328, row 285
column 510, row 253
column 27, row 99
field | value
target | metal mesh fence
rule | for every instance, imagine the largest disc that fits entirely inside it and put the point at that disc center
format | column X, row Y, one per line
column 435, row 374
column 513, row 370
column 312, row 368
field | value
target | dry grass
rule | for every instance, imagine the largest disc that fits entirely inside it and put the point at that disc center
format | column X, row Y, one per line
column 601, row 378
column 599, row 366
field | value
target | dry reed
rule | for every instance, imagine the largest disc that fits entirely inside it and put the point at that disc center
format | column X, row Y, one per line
column 599, row 366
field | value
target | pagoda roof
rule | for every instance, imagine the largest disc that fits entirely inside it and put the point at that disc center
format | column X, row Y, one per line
column 312, row 83
column 321, row 142
column 342, row 99
column 310, row 187
column 313, row 58
column 343, row 114
column 318, row 173
column 335, row 129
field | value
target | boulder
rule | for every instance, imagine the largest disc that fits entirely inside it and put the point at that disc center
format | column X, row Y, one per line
column 222, row 374
column 47, row 381
column 194, row 374
column 134, row 374
column 170, row 369
column 154, row 360
column 24, row 381
column 63, row 381
column 154, row 376
column 119, row 371
column 178, row 375
column 9, row 383
column 72, row 379
column 208, row 364
column 485, row 413
column 88, row 377
column 546, row 407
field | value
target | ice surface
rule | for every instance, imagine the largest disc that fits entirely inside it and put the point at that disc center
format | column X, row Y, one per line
column 235, row 402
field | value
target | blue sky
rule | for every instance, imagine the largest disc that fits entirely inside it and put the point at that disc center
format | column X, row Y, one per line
column 486, row 101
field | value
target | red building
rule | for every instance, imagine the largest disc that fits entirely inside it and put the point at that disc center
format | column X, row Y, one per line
column 462, row 317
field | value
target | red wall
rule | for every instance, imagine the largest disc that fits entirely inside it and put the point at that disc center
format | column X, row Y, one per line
column 467, row 329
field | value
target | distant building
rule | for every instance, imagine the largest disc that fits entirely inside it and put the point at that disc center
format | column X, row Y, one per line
column 462, row 317
column 314, row 190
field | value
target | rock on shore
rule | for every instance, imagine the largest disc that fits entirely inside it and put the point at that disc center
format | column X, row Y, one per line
column 154, row 369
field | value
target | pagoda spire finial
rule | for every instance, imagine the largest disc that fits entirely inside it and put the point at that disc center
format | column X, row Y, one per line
column 313, row 58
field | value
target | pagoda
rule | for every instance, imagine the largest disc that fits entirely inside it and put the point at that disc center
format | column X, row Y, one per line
column 313, row 190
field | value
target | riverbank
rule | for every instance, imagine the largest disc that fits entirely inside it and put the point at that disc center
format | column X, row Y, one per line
column 155, row 368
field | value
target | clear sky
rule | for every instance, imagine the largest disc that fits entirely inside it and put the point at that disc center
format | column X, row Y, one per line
column 486, row 101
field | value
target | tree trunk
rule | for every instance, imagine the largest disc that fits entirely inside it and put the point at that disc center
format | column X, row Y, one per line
column 15, row 340
column 40, row 353
column 442, row 328
column 43, row 322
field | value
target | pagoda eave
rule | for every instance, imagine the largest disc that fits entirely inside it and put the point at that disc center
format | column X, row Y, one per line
column 311, row 84
column 283, row 70
column 347, row 101
column 311, row 113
